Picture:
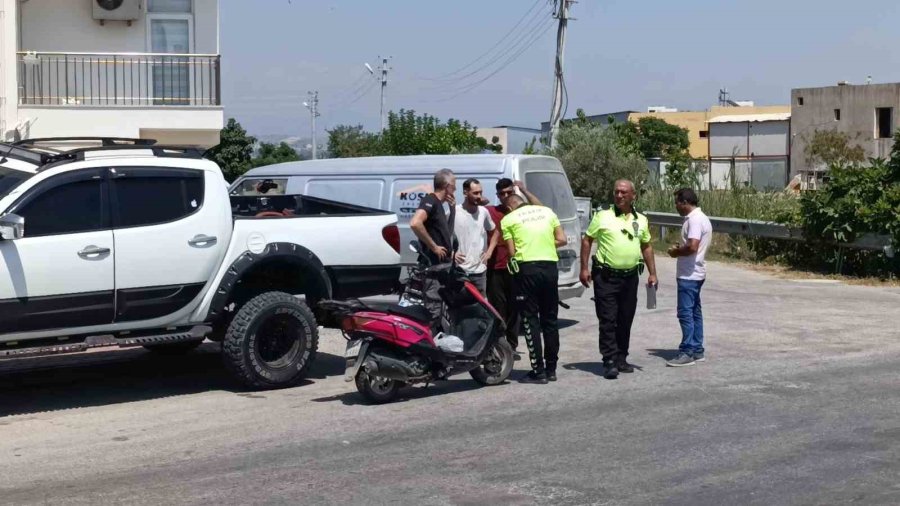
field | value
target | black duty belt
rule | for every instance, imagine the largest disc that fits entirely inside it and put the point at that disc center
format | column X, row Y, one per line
column 619, row 273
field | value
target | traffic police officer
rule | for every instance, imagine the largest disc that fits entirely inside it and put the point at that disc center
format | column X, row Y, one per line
column 623, row 249
column 532, row 233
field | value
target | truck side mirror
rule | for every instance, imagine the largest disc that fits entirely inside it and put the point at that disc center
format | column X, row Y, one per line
column 12, row 227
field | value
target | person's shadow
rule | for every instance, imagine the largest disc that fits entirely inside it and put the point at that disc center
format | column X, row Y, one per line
column 595, row 368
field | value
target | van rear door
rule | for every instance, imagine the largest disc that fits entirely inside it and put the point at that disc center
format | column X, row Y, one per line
column 544, row 176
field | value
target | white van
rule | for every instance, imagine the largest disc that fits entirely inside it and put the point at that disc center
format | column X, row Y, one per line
column 397, row 183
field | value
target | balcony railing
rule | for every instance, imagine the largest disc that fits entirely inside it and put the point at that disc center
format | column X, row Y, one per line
column 119, row 79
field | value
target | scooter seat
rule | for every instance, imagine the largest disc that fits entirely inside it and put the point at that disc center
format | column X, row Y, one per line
column 415, row 312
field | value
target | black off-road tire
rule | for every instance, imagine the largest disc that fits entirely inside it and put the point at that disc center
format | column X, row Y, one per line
column 502, row 358
column 260, row 331
column 179, row 348
column 385, row 391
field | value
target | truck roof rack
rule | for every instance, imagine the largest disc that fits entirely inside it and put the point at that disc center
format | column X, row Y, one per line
column 8, row 150
column 104, row 141
column 159, row 151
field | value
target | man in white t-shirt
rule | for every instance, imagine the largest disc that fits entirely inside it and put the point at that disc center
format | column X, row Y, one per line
column 696, row 234
column 476, row 233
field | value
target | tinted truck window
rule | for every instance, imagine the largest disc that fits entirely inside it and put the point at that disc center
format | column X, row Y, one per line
column 154, row 196
column 553, row 190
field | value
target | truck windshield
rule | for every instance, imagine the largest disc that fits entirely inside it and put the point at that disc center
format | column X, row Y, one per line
column 10, row 179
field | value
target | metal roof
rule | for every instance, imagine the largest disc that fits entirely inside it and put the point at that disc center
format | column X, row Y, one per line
column 751, row 118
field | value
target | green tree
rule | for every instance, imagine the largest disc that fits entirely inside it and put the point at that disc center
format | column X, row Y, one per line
column 270, row 154
column 410, row 134
column 830, row 147
column 234, row 152
column 858, row 199
column 594, row 157
column 349, row 141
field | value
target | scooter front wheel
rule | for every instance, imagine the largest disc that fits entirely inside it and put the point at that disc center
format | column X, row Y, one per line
column 496, row 365
column 377, row 390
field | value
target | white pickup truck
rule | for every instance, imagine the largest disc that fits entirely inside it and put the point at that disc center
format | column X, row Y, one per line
column 132, row 244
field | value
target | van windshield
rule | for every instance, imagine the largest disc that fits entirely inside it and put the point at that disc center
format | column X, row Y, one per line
column 10, row 179
column 553, row 190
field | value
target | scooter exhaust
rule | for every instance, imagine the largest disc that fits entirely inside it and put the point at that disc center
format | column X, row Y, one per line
column 384, row 366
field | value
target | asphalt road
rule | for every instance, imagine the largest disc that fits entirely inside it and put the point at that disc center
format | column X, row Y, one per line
column 798, row 404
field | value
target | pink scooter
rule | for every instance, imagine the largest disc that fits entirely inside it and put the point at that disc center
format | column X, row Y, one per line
column 391, row 345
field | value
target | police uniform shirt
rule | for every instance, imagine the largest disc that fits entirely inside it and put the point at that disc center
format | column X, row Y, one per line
column 531, row 229
column 619, row 237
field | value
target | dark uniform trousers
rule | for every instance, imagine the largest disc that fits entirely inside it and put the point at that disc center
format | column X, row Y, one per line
column 615, row 298
column 500, row 295
column 537, row 297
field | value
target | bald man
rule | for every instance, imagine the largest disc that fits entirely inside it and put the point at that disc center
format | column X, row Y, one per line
column 623, row 250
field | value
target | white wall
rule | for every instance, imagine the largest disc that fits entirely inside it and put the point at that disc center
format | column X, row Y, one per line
column 8, row 97
column 68, row 25
column 116, row 122
column 769, row 138
column 728, row 139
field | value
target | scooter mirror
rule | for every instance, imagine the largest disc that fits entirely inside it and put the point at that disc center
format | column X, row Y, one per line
column 414, row 246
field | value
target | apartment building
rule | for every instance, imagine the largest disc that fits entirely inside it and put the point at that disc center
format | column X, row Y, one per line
column 123, row 68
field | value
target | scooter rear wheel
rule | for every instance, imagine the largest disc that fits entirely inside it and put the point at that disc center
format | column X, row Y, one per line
column 377, row 390
column 496, row 366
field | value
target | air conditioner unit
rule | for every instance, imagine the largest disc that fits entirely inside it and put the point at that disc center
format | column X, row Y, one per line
column 117, row 10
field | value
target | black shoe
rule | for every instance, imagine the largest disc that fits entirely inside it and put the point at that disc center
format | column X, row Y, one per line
column 551, row 375
column 611, row 372
column 624, row 366
column 516, row 356
column 537, row 378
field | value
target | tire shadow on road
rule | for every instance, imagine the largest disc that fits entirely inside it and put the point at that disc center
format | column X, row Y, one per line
column 409, row 394
column 118, row 376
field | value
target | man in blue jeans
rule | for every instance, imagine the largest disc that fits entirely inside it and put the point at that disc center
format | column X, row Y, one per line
column 696, row 234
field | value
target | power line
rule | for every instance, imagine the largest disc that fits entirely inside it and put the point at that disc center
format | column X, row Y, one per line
column 471, row 86
column 353, row 89
column 496, row 44
column 516, row 44
column 365, row 90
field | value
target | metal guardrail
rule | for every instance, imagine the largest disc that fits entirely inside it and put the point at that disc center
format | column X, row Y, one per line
column 770, row 230
column 118, row 79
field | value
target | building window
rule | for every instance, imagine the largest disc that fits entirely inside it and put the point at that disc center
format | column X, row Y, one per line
column 170, row 6
column 884, row 122
column 800, row 101
column 837, row 114
column 704, row 134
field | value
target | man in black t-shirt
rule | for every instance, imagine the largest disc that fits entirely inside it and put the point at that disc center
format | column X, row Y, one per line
column 434, row 228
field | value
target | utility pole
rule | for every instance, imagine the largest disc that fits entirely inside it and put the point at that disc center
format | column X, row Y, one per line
column 381, row 75
column 313, row 105
column 561, row 12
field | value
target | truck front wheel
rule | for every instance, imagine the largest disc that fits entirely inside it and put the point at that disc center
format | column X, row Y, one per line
column 271, row 341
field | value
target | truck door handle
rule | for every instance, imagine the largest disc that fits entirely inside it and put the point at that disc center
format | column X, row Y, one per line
column 92, row 250
column 202, row 240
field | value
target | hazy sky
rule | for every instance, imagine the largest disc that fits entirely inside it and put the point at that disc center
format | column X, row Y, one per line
column 620, row 55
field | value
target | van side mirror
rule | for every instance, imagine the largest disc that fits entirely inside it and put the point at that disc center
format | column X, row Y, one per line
column 12, row 227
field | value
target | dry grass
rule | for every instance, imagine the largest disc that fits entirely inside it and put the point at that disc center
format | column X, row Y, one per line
column 725, row 250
